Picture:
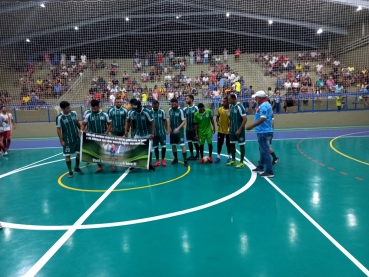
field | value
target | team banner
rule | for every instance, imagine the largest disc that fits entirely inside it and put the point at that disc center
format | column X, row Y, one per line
column 117, row 151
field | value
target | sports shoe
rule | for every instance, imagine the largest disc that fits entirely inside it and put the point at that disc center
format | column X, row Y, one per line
column 163, row 163
column 70, row 175
column 113, row 169
column 210, row 160
column 78, row 170
column 275, row 161
column 5, row 154
column 131, row 168
column 99, row 170
column 201, row 161
column 229, row 159
column 217, row 160
column 258, row 169
column 157, row 163
column 267, row 175
column 241, row 165
column 151, row 168
column 175, row 161
column 191, row 158
column 231, row 163
column 185, row 163
column 196, row 157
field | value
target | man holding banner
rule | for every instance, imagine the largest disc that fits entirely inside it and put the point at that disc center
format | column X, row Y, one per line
column 98, row 122
column 142, row 125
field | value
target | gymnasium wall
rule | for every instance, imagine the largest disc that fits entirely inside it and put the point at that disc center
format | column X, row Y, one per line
column 298, row 120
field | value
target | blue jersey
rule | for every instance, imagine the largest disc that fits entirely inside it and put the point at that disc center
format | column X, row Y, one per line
column 264, row 110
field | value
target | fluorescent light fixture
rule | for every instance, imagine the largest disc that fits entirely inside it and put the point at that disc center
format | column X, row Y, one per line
column 227, row 14
column 320, row 30
column 270, row 22
column 359, row 8
column 177, row 17
column 127, row 19
column 27, row 40
column 42, row 5
column 76, row 28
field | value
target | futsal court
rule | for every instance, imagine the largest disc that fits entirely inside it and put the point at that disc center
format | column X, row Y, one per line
column 204, row 220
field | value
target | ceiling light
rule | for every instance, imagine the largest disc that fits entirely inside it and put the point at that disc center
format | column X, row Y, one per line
column 320, row 30
column 42, row 5
column 227, row 14
column 76, row 28
column 359, row 8
column 270, row 22
column 127, row 19
column 27, row 40
column 177, row 17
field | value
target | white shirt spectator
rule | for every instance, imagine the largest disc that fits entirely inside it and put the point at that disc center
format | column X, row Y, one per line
column 72, row 59
column 287, row 84
column 112, row 98
column 319, row 67
column 63, row 57
column 114, row 89
column 144, row 75
column 313, row 54
column 170, row 95
column 167, row 78
column 217, row 59
column 187, row 80
column 301, row 55
column 192, row 53
column 139, row 64
column 171, row 54
column 84, row 59
column 336, row 63
column 216, row 93
column 205, row 79
column 206, row 53
column 285, row 64
column 226, row 75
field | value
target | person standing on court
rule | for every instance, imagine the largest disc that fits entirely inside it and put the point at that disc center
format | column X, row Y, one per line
column 264, row 130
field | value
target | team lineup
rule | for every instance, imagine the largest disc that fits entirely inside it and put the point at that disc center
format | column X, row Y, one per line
column 194, row 122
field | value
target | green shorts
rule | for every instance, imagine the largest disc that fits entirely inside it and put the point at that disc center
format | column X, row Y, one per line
column 191, row 135
column 205, row 138
column 177, row 139
column 238, row 138
column 72, row 148
column 162, row 140
column 118, row 133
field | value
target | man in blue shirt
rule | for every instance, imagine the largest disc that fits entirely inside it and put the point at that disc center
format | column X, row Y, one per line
column 264, row 130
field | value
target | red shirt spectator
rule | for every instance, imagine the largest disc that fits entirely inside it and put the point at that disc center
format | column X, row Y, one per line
column 238, row 52
column 97, row 96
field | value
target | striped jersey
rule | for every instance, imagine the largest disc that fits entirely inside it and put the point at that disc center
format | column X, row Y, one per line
column 160, row 118
column 97, row 122
column 189, row 114
column 6, row 126
column 142, row 121
column 118, row 118
column 236, row 112
column 86, row 113
column 176, row 117
column 68, row 124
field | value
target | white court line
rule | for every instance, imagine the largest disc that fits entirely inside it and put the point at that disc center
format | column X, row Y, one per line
column 48, row 255
column 37, row 162
column 141, row 220
column 320, row 228
column 29, row 167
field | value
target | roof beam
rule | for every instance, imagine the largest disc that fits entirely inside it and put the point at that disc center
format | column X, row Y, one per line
column 309, row 25
column 354, row 3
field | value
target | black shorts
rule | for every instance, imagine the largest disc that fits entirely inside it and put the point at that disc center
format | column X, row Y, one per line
column 191, row 135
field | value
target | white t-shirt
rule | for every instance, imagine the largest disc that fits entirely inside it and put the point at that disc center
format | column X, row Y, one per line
column 170, row 95
column 319, row 67
column 84, row 58
column 205, row 79
column 112, row 98
column 336, row 63
column 168, row 77
column 144, row 75
column 313, row 54
column 171, row 55
column 206, row 53
column 188, row 80
column 73, row 59
column 7, row 117
column 287, row 84
column 191, row 54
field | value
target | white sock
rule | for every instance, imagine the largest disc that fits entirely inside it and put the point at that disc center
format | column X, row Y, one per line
column 218, row 156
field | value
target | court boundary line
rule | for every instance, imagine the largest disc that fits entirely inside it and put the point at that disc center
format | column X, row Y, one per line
column 316, row 225
column 343, row 154
column 61, row 241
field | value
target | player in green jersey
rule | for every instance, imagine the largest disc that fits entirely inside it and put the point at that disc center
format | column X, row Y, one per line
column 177, row 121
column 128, row 120
column 189, row 112
column 161, row 130
column 68, row 130
column 142, row 125
column 204, row 130
column 238, row 119
column 97, row 122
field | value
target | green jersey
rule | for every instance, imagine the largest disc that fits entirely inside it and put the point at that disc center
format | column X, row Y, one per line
column 203, row 121
column 176, row 118
column 142, row 121
column 97, row 122
column 86, row 113
column 236, row 112
column 160, row 118
column 189, row 114
column 118, row 118
column 68, row 124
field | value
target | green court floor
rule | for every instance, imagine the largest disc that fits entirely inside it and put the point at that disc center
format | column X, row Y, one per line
column 312, row 219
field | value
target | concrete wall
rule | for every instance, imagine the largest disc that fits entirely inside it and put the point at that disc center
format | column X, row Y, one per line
column 299, row 120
